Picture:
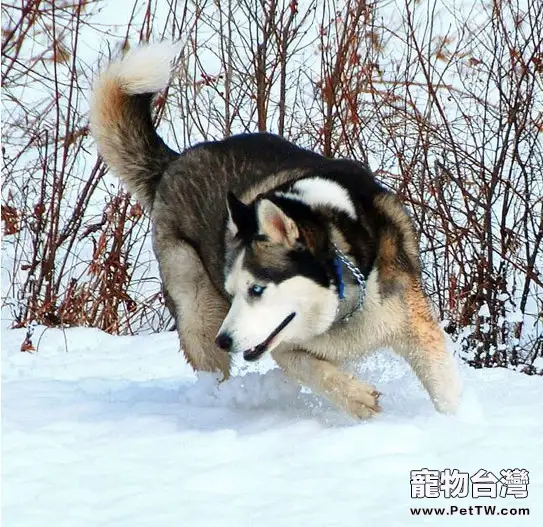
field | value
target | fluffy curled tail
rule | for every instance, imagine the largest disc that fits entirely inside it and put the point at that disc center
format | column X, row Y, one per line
column 121, row 120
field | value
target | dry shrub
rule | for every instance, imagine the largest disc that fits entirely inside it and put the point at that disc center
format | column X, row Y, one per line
column 444, row 103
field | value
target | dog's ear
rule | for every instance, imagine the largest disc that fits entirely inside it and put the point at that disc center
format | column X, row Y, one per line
column 240, row 216
column 275, row 224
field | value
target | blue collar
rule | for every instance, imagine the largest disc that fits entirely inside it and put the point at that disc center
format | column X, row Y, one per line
column 341, row 259
column 339, row 278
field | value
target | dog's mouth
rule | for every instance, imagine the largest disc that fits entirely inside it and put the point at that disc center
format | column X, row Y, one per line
column 256, row 352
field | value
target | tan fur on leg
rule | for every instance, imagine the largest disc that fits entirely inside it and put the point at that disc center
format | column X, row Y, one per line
column 427, row 354
column 200, row 309
column 357, row 398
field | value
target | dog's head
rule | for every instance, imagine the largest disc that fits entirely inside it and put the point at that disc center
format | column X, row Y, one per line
column 278, row 272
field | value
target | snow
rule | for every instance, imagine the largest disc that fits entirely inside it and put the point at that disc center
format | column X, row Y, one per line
column 484, row 311
column 118, row 431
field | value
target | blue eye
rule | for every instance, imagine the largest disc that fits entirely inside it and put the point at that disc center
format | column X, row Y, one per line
column 256, row 290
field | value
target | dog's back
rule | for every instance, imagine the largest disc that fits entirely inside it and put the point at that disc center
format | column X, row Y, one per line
column 186, row 193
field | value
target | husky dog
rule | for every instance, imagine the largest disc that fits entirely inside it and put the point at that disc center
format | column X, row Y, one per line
column 265, row 246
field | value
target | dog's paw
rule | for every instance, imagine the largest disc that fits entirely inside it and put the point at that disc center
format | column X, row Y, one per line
column 362, row 400
column 447, row 399
column 446, row 390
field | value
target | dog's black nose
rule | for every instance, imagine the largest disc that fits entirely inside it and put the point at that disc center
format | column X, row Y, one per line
column 224, row 341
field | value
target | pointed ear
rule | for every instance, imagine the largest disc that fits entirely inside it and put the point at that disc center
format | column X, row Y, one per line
column 275, row 224
column 240, row 215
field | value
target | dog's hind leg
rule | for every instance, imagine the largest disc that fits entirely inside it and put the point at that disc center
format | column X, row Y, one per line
column 355, row 397
column 199, row 308
column 426, row 352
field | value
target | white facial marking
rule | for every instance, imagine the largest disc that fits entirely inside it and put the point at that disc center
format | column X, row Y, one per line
column 232, row 277
column 231, row 227
column 319, row 191
column 251, row 320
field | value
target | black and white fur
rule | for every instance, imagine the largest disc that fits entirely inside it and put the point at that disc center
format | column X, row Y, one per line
column 247, row 232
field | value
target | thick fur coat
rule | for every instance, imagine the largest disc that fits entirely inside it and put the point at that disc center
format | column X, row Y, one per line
column 248, row 231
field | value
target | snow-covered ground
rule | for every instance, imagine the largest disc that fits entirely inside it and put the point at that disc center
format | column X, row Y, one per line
column 118, row 431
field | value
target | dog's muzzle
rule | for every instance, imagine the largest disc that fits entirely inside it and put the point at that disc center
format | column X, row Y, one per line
column 256, row 352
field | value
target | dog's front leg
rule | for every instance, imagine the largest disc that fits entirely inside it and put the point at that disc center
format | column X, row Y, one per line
column 437, row 371
column 197, row 306
column 355, row 397
column 425, row 350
